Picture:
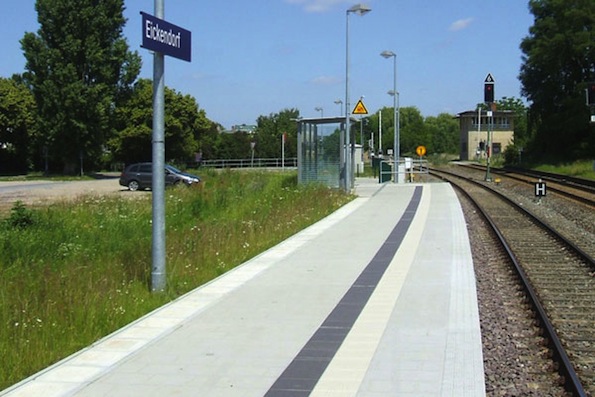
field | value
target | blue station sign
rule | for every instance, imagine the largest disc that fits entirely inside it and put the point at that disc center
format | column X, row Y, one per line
column 166, row 38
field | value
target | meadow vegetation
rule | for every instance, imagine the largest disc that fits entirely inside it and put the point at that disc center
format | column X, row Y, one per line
column 580, row 169
column 71, row 273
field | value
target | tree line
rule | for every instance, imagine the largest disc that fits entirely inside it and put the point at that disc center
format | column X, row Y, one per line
column 79, row 104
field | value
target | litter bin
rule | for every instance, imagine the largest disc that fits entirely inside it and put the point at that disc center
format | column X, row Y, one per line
column 385, row 172
column 376, row 165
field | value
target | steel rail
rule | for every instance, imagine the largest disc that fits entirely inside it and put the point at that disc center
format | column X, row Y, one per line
column 566, row 369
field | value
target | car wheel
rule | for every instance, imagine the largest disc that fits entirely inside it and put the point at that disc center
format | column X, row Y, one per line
column 133, row 185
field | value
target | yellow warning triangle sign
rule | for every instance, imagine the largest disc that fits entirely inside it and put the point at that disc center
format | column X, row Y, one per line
column 360, row 108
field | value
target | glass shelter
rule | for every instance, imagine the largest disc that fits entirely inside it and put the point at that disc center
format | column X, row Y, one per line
column 321, row 151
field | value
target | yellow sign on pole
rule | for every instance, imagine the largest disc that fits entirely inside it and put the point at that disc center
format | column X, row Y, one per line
column 421, row 151
column 360, row 108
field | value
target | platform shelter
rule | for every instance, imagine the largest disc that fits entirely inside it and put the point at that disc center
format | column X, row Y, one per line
column 322, row 153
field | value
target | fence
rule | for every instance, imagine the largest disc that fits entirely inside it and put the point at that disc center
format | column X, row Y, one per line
column 251, row 163
column 406, row 171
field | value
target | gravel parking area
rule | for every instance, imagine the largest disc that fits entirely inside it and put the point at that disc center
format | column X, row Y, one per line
column 44, row 192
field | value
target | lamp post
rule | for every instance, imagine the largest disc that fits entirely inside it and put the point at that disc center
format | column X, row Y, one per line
column 321, row 110
column 395, row 94
column 361, row 133
column 359, row 9
column 340, row 103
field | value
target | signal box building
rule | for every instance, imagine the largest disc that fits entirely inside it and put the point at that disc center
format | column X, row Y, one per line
column 474, row 133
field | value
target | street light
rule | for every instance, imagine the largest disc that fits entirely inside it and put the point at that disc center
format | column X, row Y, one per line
column 340, row 103
column 395, row 94
column 361, row 10
column 320, row 109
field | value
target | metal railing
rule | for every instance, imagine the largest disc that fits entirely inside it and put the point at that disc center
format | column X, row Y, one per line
column 406, row 170
column 251, row 163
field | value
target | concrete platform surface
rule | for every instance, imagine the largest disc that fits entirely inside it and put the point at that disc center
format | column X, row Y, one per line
column 377, row 299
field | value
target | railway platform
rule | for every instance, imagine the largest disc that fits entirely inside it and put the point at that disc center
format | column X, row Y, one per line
column 377, row 299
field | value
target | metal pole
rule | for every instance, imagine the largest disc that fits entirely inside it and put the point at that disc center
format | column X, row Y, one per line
column 380, row 133
column 477, row 151
column 396, row 122
column 361, row 138
column 283, row 151
column 489, row 144
column 347, row 111
column 158, row 274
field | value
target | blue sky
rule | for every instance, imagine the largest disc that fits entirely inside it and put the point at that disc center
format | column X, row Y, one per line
column 258, row 57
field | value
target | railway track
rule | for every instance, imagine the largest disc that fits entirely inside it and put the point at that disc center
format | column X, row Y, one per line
column 577, row 189
column 559, row 277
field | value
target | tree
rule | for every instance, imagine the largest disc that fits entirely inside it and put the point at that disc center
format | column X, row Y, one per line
column 78, row 67
column 184, row 125
column 558, row 61
column 412, row 131
column 17, row 125
column 443, row 132
column 270, row 130
column 387, row 129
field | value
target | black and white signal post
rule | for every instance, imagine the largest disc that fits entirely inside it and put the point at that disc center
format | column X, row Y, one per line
column 488, row 98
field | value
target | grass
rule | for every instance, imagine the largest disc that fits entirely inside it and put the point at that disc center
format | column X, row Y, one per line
column 580, row 169
column 72, row 273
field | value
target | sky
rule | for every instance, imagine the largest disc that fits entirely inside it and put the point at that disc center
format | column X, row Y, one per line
column 253, row 58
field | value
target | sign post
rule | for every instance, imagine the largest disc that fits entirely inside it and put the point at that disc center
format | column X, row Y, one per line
column 163, row 38
column 540, row 190
column 488, row 96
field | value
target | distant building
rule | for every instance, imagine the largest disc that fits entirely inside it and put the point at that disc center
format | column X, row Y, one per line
column 248, row 129
column 474, row 133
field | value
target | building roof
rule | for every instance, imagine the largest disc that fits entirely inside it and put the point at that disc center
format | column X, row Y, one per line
column 473, row 113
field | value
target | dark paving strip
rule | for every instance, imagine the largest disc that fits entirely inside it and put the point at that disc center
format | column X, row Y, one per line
column 302, row 374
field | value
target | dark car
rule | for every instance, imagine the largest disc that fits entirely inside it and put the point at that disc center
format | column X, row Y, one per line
column 140, row 176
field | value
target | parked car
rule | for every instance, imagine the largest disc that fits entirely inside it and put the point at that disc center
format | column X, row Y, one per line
column 140, row 176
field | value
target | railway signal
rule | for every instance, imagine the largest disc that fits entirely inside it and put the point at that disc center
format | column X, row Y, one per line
column 488, row 89
column 488, row 97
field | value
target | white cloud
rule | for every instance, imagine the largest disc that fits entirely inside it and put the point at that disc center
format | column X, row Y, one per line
column 460, row 24
column 318, row 5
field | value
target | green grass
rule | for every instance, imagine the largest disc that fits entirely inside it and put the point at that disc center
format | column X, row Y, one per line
column 73, row 273
column 580, row 169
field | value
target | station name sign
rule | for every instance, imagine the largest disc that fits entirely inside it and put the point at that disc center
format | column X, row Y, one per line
column 166, row 38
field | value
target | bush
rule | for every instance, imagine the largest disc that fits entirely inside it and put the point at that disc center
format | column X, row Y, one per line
column 20, row 216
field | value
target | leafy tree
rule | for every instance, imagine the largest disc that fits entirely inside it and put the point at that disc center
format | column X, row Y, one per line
column 516, row 105
column 184, row 125
column 331, row 147
column 443, row 132
column 373, row 127
column 208, row 140
column 412, row 131
column 269, row 132
column 78, row 67
column 559, row 58
column 17, row 125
